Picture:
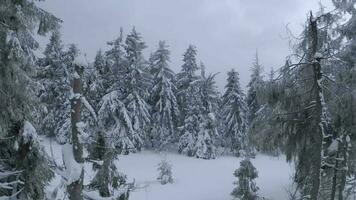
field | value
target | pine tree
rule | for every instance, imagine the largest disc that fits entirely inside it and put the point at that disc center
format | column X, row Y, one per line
column 265, row 132
column 123, row 110
column 54, row 76
column 234, row 112
column 23, row 166
column 185, row 78
column 304, row 115
column 205, row 144
column 136, row 83
column 165, row 110
column 343, row 106
column 107, row 180
column 191, row 124
column 165, row 172
column 246, row 188
column 256, row 81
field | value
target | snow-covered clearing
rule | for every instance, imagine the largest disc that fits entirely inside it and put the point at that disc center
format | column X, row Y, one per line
column 197, row 179
column 194, row 179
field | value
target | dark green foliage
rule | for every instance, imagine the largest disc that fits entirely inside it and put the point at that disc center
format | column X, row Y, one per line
column 246, row 188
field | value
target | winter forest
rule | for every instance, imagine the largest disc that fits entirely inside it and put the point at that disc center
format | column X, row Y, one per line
column 126, row 126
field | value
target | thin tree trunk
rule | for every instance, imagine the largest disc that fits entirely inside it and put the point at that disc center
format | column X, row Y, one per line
column 317, row 137
column 75, row 188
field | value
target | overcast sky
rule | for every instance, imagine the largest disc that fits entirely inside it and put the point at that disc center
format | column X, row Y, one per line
column 225, row 32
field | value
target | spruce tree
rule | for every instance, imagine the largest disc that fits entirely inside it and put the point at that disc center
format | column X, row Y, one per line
column 165, row 172
column 23, row 166
column 185, row 78
column 123, row 110
column 54, row 77
column 246, row 188
column 205, row 144
column 192, row 122
column 256, row 81
column 234, row 112
column 165, row 111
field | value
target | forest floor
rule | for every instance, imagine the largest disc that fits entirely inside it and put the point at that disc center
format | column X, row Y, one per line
column 194, row 179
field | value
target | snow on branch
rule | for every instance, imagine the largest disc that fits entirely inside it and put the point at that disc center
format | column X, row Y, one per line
column 90, row 108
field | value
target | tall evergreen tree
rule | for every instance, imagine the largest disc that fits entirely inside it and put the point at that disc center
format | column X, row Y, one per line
column 23, row 166
column 165, row 110
column 256, row 81
column 185, row 78
column 307, row 126
column 123, row 110
column 136, row 83
column 205, row 144
column 234, row 112
column 54, row 76
column 192, row 121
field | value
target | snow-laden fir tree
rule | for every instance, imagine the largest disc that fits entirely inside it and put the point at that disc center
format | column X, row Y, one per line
column 265, row 131
column 344, row 92
column 304, row 117
column 54, row 77
column 123, row 110
column 234, row 111
column 185, row 78
column 205, row 144
column 135, row 88
column 24, row 168
column 192, row 121
column 165, row 172
column 97, row 79
column 107, row 180
column 256, row 80
column 165, row 111
column 246, row 188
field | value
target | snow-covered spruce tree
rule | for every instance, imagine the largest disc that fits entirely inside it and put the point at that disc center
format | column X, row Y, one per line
column 165, row 111
column 54, row 77
column 98, row 79
column 123, row 110
column 107, row 180
column 307, row 130
column 135, row 87
column 246, row 188
column 165, row 172
column 23, row 166
column 343, row 107
column 192, row 121
column 265, row 132
column 185, row 78
column 256, row 81
column 205, row 144
column 233, row 114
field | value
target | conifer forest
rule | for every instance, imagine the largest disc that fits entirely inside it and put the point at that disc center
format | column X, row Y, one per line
column 177, row 100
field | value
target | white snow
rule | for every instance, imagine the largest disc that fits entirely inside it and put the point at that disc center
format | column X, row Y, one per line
column 29, row 132
column 334, row 146
column 198, row 179
column 73, row 169
column 194, row 179
column 80, row 60
column 90, row 108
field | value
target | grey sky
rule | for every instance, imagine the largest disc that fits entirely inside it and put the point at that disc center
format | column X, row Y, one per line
column 226, row 32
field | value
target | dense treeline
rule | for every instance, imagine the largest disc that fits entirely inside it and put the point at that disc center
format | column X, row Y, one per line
column 304, row 110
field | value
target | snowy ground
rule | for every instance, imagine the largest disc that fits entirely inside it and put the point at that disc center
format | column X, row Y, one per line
column 195, row 179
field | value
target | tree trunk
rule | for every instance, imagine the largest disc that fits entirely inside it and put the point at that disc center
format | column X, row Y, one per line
column 317, row 137
column 75, row 188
